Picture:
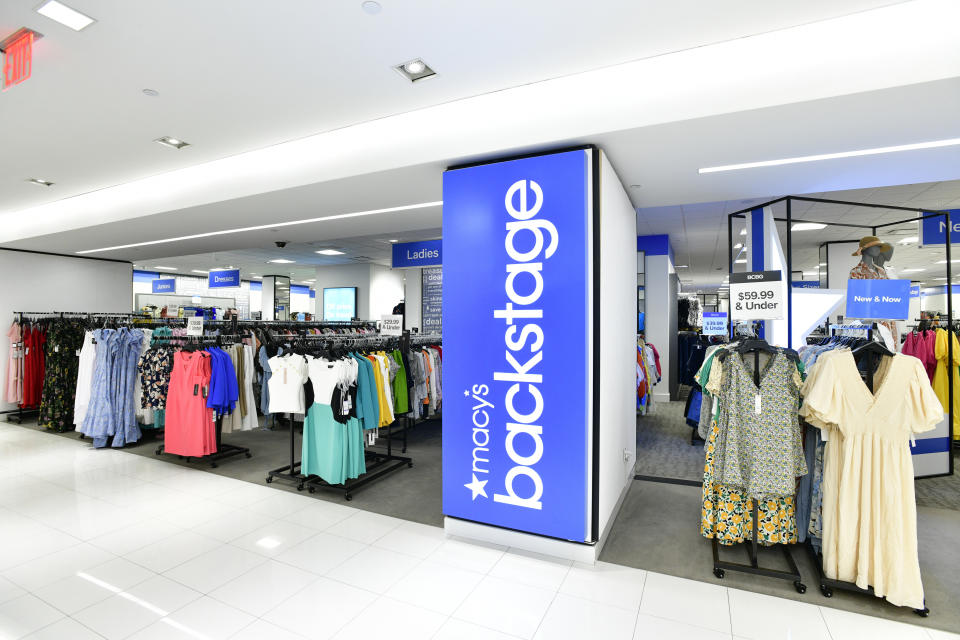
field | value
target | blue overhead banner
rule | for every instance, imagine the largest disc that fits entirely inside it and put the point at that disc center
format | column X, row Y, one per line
column 225, row 278
column 933, row 230
column 426, row 253
column 516, row 300
column 164, row 286
column 878, row 299
column 914, row 291
column 806, row 284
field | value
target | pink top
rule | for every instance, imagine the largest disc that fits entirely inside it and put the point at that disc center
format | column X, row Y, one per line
column 13, row 365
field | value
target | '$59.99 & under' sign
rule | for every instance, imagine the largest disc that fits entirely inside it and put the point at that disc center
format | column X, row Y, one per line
column 756, row 295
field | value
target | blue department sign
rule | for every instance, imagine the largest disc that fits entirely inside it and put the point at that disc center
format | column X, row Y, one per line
column 515, row 322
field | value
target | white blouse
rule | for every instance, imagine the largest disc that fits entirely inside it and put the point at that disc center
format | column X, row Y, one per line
column 289, row 373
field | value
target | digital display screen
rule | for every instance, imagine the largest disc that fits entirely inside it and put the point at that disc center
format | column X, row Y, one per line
column 339, row 304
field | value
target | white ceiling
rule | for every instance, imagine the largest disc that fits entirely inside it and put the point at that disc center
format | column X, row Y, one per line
column 236, row 75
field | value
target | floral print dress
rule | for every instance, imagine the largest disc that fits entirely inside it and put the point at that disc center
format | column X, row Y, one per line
column 64, row 340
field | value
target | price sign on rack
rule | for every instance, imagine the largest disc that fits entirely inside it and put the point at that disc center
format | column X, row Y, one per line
column 195, row 326
column 714, row 323
column 756, row 295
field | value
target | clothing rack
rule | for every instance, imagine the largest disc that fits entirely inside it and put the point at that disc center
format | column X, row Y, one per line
column 720, row 567
column 378, row 463
column 224, row 450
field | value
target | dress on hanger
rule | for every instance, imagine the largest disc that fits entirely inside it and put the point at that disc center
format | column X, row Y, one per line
column 941, row 381
column 14, row 355
column 869, row 514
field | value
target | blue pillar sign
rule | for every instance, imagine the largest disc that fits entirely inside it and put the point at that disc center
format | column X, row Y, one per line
column 878, row 299
column 517, row 413
column 431, row 300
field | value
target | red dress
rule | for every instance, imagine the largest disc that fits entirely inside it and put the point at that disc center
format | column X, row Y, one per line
column 190, row 429
column 34, row 342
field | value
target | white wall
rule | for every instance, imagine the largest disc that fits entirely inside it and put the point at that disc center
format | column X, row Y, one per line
column 40, row 282
column 347, row 275
column 661, row 321
column 413, row 288
column 618, row 320
column 386, row 290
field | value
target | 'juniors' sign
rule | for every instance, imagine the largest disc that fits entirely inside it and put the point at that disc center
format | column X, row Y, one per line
column 878, row 299
column 418, row 254
column 515, row 331
column 225, row 278
column 164, row 286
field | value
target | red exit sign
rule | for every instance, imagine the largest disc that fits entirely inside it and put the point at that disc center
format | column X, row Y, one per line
column 17, row 57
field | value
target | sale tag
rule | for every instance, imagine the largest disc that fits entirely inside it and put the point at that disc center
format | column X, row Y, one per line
column 195, row 326
column 756, row 295
column 391, row 325
column 714, row 323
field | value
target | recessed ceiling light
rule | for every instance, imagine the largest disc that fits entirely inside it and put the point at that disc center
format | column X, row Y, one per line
column 272, row 227
column 833, row 156
column 807, row 226
column 65, row 15
column 166, row 268
column 198, row 271
column 945, row 262
column 741, row 261
column 153, row 93
column 822, row 264
column 809, row 273
column 681, row 266
column 371, row 7
column 394, row 241
column 415, row 70
column 917, row 270
column 175, row 143
column 743, row 232
column 40, row 182
column 281, row 261
column 738, row 245
column 909, row 239
column 329, row 252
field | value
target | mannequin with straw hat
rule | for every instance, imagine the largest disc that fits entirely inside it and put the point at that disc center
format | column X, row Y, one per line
column 874, row 253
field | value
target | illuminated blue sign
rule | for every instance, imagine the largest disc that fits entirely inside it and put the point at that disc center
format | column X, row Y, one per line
column 339, row 304
column 933, row 230
column 225, row 278
column 516, row 300
column 427, row 253
column 878, row 299
column 164, row 286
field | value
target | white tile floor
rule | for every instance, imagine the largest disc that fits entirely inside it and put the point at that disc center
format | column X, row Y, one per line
column 106, row 544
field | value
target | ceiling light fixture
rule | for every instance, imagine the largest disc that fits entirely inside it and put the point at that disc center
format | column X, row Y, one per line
column 329, row 252
column 260, row 227
column 916, row 270
column 945, row 262
column 166, row 268
column 738, row 245
column 909, row 239
column 198, row 271
column 66, row 16
column 281, row 261
column 370, row 7
column 40, row 182
column 153, row 93
column 935, row 144
column 743, row 232
column 173, row 143
column 681, row 266
column 741, row 261
column 822, row 264
column 394, row 241
column 415, row 70
column 807, row 226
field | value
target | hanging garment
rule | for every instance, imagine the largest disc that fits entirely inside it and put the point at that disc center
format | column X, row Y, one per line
column 326, row 450
column 60, row 381
column 155, row 366
column 144, row 412
column 941, row 380
column 14, row 388
column 918, row 345
column 288, row 374
column 111, row 413
column 400, row 393
column 190, row 428
column 33, row 366
column 85, row 371
column 250, row 420
column 869, row 516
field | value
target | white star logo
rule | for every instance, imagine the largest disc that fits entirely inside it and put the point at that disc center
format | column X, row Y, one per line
column 478, row 487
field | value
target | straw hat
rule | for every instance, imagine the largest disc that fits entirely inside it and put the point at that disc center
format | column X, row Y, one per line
column 872, row 241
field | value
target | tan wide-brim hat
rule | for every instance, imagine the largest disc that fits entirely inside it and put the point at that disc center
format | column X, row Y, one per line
column 872, row 241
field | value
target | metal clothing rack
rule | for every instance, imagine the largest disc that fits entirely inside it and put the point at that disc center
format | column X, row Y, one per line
column 379, row 463
column 720, row 567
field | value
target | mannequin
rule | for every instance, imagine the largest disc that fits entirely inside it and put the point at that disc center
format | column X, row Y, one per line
column 874, row 253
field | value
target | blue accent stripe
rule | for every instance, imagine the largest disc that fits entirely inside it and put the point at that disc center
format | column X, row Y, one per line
column 145, row 276
column 757, row 236
column 658, row 245
column 931, row 445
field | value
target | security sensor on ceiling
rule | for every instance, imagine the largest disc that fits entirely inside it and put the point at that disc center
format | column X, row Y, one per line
column 280, row 244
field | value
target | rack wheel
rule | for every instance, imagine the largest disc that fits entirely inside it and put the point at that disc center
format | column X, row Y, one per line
column 349, row 497
column 269, row 479
column 213, row 465
column 312, row 489
column 826, row 591
column 719, row 573
column 248, row 454
column 410, row 465
column 800, row 587
column 923, row 613
column 299, row 487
